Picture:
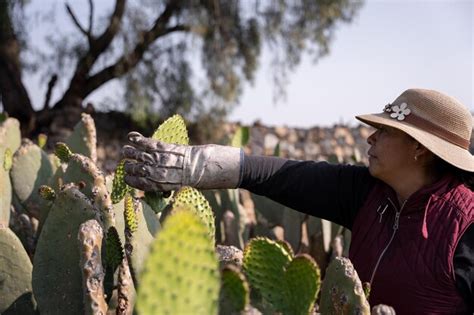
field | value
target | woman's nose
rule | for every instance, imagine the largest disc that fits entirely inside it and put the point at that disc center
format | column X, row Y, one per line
column 371, row 138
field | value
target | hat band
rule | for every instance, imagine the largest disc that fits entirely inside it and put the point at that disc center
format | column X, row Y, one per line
column 447, row 135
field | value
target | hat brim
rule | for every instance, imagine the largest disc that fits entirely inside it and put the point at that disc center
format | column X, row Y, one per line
column 449, row 152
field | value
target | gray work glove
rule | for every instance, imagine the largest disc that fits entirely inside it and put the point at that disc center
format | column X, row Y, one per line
column 158, row 166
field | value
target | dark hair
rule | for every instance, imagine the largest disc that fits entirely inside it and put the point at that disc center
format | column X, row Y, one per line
column 442, row 167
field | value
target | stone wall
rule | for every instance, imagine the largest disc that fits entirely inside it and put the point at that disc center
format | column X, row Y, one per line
column 336, row 144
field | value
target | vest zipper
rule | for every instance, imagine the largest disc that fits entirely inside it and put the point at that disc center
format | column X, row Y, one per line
column 395, row 228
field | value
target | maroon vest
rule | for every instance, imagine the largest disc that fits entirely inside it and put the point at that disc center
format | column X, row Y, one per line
column 415, row 274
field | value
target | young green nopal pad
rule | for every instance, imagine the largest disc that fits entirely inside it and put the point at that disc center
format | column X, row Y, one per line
column 119, row 187
column 181, row 272
column 290, row 284
column 234, row 294
column 113, row 249
column 172, row 131
column 194, row 198
column 130, row 215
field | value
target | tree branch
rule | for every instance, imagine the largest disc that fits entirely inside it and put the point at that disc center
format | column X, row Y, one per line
column 76, row 21
column 51, row 84
column 91, row 15
column 126, row 62
column 101, row 43
column 96, row 47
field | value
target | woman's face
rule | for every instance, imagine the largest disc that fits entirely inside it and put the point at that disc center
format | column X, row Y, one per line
column 391, row 153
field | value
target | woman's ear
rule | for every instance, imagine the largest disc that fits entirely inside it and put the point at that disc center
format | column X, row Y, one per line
column 422, row 151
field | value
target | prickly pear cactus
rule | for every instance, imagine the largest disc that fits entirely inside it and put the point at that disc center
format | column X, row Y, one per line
column 264, row 265
column 130, row 216
column 119, row 187
column 82, row 170
column 15, row 276
column 271, row 211
column 63, row 152
column 181, row 273
column 56, row 274
column 148, row 226
column 5, row 197
column 342, row 291
column 10, row 136
column 10, row 139
column 289, row 284
column 172, row 131
column 8, row 159
column 234, row 294
column 31, row 169
column 47, row 193
column 90, row 243
column 197, row 201
column 83, row 139
column 113, row 249
column 302, row 278
column 42, row 140
column 241, row 137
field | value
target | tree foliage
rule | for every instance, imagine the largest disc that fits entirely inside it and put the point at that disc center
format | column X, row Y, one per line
column 152, row 47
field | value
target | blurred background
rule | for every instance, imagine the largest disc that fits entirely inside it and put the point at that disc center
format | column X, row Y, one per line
column 293, row 63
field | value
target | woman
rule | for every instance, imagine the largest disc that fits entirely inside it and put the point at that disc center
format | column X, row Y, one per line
column 411, row 211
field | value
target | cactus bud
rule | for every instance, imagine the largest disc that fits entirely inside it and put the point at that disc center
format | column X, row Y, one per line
column 42, row 139
column 63, row 152
column 47, row 193
column 131, row 221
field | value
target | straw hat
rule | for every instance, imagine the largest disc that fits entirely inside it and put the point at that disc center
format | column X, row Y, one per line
column 439, row 122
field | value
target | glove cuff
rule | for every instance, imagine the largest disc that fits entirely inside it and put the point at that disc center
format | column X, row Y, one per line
column 213, row 167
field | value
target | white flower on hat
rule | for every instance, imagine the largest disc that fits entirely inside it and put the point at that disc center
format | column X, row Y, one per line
column 399, row 112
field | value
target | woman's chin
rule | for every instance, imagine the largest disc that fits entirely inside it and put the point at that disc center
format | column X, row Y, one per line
column 372, row 169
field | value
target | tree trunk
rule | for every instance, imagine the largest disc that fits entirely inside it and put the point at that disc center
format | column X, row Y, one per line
column 15, row 98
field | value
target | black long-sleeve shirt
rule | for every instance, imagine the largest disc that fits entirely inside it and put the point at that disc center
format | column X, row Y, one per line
column 294, row 183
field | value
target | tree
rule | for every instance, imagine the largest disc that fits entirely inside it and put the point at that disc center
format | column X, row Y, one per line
column 149, row 45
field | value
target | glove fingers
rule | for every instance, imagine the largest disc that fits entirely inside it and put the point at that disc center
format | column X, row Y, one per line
column 141, row 183
column 165, row 176
column 169, row 159
column 141, row 142
column 158, row 175
column 151, row 145
column 146, row 184
column 130, row 152
column 137, row 169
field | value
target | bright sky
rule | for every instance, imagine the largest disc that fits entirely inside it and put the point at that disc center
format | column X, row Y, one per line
column 392, row 45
